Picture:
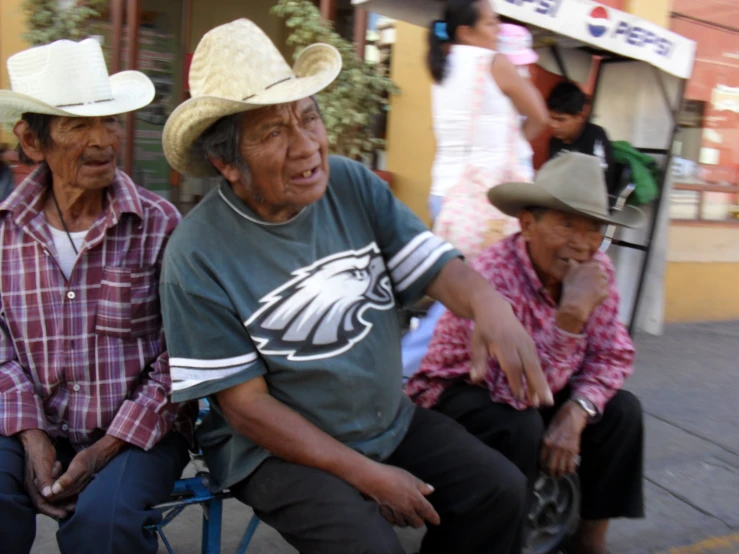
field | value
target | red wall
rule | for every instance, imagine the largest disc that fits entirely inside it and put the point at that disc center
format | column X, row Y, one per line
column 616, row 4
column 716, row 64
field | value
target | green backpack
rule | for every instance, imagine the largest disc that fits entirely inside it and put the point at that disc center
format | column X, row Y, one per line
column 645, row 173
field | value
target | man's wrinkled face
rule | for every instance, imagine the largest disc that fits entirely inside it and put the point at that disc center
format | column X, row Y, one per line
column 84, row 150
column 286, row 149
column 566, row 127
column 554, row 238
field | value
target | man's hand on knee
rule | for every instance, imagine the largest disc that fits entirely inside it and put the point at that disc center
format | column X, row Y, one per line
column 41, row 468
column 400, row 495
column 561, row 446
column 83, row 468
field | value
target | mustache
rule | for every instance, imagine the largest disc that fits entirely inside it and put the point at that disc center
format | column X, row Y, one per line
column 99, row 157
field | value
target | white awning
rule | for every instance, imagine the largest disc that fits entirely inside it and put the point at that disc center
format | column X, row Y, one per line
column 585, row 21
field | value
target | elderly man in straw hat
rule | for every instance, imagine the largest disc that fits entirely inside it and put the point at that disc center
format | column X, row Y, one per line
column 562, row 289
column 279, row 294
column 84, row 379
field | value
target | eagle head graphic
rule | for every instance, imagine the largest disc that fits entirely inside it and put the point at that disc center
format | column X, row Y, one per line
column 318, row 314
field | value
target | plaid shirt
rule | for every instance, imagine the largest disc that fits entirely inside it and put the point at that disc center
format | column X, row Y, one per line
column 86, row 356
column 595, row 363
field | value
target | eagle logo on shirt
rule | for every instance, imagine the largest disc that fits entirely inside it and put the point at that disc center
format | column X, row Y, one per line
column 319, row 313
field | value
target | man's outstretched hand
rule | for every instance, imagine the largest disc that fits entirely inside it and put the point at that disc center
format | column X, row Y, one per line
column 499, row 334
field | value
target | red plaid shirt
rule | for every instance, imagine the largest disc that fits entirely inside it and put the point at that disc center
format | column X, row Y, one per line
column 86, row 356
column 595, row 363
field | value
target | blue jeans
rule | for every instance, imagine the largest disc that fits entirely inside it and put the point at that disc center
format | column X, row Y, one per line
column 414, row 343
column 435, row 202
column 111, row 511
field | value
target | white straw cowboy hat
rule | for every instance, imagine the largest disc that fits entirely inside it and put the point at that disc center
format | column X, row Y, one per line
column 572, row 183
column 237, row 68
column 67, row 78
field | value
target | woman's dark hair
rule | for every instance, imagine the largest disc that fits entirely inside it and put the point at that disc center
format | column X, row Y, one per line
column 40, row 125
column 456, row 14
column 567, row 98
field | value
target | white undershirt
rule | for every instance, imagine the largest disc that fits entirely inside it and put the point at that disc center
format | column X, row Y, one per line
column 64, row 251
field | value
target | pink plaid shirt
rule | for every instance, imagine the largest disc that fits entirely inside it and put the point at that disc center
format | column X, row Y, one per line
column 595, row 363
column 86, row 356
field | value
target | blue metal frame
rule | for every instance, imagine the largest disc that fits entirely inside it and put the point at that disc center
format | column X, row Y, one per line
column 196, row 490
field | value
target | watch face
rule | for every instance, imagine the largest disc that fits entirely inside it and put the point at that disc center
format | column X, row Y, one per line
column 585, row 405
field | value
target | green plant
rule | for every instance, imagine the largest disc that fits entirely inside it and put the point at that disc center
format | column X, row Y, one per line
column 49, row 20
column 359, row 92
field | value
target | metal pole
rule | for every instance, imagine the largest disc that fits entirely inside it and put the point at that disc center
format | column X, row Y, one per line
column 328, row 10
column 559, row 61
column 657, row 210
column 360, row 31
column 116, row 17
column 185, row 42
column 596, row 86
column 132, row 25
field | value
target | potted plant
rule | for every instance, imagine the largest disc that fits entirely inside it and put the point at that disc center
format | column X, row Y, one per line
column 358, row 94
column 50, row 20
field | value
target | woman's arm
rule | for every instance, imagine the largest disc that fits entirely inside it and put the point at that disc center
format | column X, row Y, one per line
column 523, row 94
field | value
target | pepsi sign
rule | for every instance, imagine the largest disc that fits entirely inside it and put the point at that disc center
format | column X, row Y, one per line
column 599, row 23
column 543, row 7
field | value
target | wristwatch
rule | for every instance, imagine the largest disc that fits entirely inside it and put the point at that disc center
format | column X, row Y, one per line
column 586, row 405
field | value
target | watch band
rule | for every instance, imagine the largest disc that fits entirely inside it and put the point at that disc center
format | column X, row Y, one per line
column 586, row 405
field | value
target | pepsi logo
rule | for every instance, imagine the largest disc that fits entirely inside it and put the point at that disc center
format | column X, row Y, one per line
column 598, row 21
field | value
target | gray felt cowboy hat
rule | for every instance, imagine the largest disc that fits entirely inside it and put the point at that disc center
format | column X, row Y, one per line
column 572, row 183
column 67, row 78
column 237, row 68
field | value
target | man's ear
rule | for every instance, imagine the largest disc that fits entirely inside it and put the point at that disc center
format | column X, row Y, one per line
column 527, row 221
column 230, row 172
column 29, row 141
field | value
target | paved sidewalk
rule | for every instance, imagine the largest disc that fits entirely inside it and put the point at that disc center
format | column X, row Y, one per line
column 688, row 382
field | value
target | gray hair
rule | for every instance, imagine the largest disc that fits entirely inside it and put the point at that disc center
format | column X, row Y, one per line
column 40, row 125
column 222, row 141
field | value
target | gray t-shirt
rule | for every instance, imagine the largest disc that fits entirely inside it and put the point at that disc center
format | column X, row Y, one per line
column 309, row 305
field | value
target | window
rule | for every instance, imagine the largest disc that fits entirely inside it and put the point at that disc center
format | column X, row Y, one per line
column 706, row 166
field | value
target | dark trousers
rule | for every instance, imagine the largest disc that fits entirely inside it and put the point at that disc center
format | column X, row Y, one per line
column 611, row 449
column 111, row 511
column 479, row 495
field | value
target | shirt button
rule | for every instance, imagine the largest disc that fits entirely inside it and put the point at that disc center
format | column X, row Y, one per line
column 76, row 388
column 71, row 295
column 65, row 427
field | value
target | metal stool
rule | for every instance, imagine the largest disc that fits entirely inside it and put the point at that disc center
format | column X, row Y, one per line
column 197, row 490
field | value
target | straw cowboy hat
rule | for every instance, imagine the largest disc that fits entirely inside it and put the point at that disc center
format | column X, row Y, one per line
column 67, row 78
column 237, row 68
column 572, row 183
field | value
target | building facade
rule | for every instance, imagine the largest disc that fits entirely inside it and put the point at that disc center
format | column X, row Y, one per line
column 702, row 269
column 703, row 247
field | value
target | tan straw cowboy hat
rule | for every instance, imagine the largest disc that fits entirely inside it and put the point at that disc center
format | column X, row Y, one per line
column 572, row 183
column 236, row 68
column 67, row 78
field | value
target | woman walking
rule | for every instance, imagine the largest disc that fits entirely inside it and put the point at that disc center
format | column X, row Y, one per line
column 479, row 99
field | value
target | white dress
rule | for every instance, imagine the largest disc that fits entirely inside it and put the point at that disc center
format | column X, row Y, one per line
column 453, row 108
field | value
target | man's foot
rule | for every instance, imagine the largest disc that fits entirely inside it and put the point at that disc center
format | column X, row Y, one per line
column 590, row 538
